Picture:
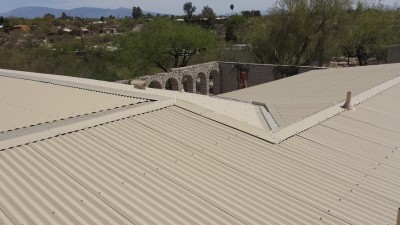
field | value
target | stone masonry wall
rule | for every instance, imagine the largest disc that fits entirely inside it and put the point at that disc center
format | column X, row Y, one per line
column 223, row 73
column 394, row 54
column 258, row 74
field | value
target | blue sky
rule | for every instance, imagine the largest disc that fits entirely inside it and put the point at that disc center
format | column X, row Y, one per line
column 162, row 6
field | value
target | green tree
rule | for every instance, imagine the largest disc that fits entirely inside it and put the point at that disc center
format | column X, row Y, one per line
column 49, row 16
column 7, row 27
column 367, row 34
column 252, row 13
column 189, row 9
column 298, row 31
column 328, row 16
column 230, row 34
column 64, row 16
column 1, row 20
column 285, row 37
column 208, row 13
column 137, row 12
column 164, row 44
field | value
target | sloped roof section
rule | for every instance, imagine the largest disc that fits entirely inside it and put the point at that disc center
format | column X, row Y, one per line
column 146, row 176
column 292, row 99
column 23, row 103
column 173, row 162
column 211, row 174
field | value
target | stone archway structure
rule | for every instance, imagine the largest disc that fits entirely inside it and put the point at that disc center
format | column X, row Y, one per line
column 172, row 84
column 188, row 84
column 202, row 83
column 155, row 84
column 215, row 82
column 185, row 78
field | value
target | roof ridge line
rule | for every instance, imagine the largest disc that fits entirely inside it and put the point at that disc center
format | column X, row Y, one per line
column 228, row 121
column 50, row 131
column 81, row 83
column 332, row 111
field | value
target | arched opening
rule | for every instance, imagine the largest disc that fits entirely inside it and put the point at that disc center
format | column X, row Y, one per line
column 188, row 84
column 172, row 84
column 201, row 84
column 155, row 84
column 214, row 83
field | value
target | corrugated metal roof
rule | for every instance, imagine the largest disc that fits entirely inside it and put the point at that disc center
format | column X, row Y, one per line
column 23, row 103
column 151, row 178
column 173, row 165
column 155, row 168
column 300, row 96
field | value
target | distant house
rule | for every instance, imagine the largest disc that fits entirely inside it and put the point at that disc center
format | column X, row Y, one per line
column 67, row 30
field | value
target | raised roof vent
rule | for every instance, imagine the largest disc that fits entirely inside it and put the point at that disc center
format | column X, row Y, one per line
column 348, row 104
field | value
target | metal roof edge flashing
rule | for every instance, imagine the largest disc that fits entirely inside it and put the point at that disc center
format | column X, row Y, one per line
column 254, row 131
column 268, row 117
column 83, row 83
column 52, row 131
column 315, row 119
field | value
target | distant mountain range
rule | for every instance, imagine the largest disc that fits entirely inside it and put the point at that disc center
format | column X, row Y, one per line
column 85, row 12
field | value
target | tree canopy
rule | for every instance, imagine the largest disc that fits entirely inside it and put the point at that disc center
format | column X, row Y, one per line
column 208, row 13
column 189, row 9
column 366, row 34
column 164, row 44
column 137, row 12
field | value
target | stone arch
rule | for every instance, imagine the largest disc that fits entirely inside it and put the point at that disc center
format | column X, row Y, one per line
column 155, row 84
column 172, row 84
column 188, row 84
column 202, row 83
column 214, row 82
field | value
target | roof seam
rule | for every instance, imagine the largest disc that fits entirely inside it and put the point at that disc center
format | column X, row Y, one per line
column 2, row 211
column 72, row 117
column 53, row 135
column 365, row 139
column 365, row 173
column 75, row 87
column 371, row 124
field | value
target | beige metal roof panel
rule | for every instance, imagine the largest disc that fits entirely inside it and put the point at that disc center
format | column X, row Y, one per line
column 149, row 178
column 317, row 89
column 272, row 167
column 155, row 168
column 358, row 128
column 4, row 219
column 173, row 166
column 344, row 164
column 35, row 191
column 24, row 103
column 232, row 191
column 128, row 186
